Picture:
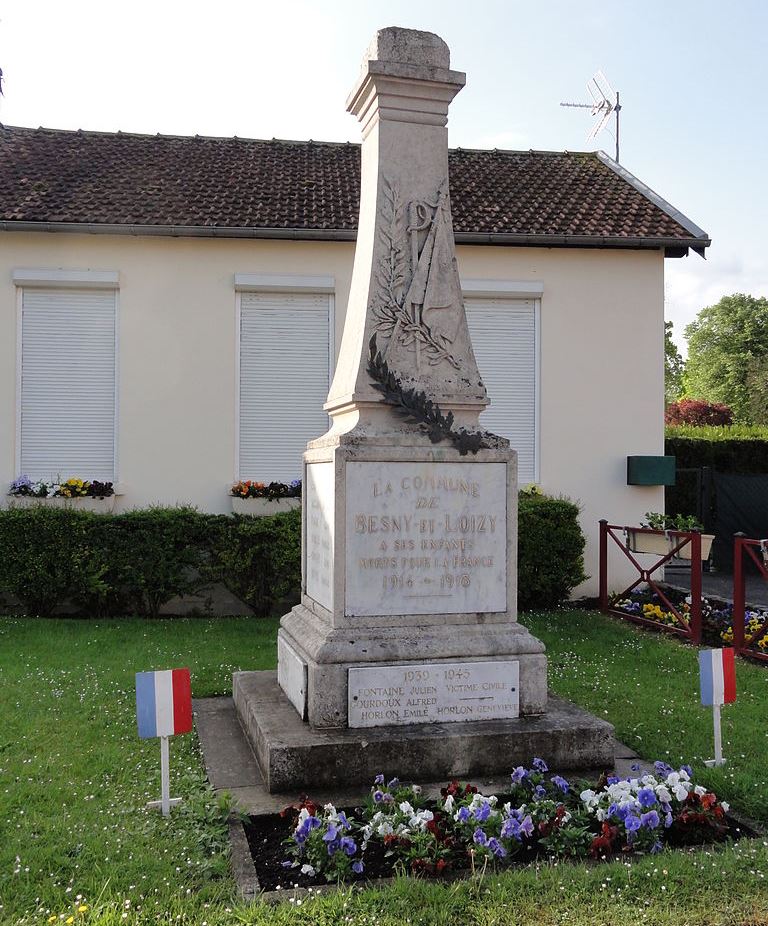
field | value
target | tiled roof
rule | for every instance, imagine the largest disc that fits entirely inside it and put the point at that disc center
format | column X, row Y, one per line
column 312, row 189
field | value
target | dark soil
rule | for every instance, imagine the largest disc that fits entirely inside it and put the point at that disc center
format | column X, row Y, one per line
column 267, row 837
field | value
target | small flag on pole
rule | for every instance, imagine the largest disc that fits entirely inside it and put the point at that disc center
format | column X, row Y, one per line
column 717, row 675
column 164, row 708
column 163, row 703
column 717, row 671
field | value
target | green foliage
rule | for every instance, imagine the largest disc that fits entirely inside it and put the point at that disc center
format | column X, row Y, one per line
column 133, row 563
column 550, row 550
column 673, row 367
column 259, row 559
column 736, row 432
column 668, row 522
column 727, row 351
column 719, row 451
column 48, row 557
column 153, row 555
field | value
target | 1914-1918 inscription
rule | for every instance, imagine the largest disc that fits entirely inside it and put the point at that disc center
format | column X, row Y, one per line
column 437, row 693
column 426, row 538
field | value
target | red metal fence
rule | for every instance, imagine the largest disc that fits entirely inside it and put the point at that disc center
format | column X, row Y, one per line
column 747, row 636
column 688, row 625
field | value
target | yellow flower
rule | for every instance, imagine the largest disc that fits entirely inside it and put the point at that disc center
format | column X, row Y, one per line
column 82, row 908
column 52, row 919
column 69, row 920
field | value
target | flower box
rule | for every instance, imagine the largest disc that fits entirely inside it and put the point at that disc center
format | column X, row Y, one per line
column 98, row 505
column 261, row 507
column 660, row 543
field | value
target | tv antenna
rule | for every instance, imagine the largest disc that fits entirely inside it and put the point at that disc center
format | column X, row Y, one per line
column 605, row 103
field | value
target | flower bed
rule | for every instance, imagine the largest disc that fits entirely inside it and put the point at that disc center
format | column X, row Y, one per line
column 398, row 831
column 717, row 616
column 74, row 487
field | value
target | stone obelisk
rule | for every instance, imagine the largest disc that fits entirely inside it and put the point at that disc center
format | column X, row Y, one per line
column 405, row 652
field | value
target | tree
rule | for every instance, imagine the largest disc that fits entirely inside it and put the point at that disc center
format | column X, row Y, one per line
column 727, row 350
column 673, row 367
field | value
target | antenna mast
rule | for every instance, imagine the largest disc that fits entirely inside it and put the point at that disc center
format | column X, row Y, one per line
column 605, row 103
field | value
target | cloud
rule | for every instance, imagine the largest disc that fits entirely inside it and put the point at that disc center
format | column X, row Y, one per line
column 692, row 284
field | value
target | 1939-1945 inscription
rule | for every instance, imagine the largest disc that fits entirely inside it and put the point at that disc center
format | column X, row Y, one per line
column 433, row 693
column 426, row 538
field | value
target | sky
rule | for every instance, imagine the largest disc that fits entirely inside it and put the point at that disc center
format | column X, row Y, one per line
column 692, row 74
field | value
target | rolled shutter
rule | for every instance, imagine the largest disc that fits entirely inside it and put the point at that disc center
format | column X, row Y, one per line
column 284, row 356
column 503, row 333
column 68, row 384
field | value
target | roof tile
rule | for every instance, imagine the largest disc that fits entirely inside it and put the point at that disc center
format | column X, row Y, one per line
column 50, row 175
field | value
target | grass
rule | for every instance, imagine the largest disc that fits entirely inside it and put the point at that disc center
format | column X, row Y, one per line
column 74, row 780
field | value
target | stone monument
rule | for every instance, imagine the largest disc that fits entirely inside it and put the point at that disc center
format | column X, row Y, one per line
column 405, row 652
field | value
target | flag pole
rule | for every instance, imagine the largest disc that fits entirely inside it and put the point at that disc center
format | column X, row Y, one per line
column 165, row 778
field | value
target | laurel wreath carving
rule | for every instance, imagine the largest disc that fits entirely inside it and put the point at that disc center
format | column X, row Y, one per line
column 393, row 317
column 414, row 405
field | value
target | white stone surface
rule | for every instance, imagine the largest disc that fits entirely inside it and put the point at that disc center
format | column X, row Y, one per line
column 319, row 538
column 433, row 693
column 292, row 675
column 425, row 538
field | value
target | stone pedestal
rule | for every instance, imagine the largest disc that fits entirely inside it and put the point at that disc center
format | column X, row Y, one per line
column 409, row 557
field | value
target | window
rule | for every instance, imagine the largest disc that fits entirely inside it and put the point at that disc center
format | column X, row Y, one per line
column 284, row 378
column 67, row 382
column 505, row 340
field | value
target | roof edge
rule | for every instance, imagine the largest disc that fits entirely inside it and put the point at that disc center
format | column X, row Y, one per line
column 346, row 234
column 657, row 200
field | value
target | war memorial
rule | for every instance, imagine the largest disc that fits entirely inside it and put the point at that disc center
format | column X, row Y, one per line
column 405, row 651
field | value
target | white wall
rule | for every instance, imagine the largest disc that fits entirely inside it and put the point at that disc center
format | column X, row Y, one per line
column 601, row 359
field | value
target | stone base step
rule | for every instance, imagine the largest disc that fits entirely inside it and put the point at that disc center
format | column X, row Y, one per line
column 291, row 755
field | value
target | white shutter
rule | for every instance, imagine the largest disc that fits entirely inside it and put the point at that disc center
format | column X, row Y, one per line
column 284, row 350
column 503, row 333
column 68, row 384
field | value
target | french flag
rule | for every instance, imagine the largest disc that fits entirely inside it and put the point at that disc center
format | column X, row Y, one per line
column 163, row 703
column 717, row 672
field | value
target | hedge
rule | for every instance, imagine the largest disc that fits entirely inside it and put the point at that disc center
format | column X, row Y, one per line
column 56, row 559
column 550, row 551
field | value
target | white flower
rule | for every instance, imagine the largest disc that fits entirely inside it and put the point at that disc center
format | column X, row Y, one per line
column 331, row 811
column 448, row 804
column 700, row 791
column 725, row 805
column 589, row 797
column 663, row 793
column 405, row 807
column 385, row 829
column 420, row 819
column 308, row 870
column 416, row 789
column 601, row 814
column 681, row 792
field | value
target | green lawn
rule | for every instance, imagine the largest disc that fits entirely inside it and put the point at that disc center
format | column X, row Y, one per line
column 74, row 779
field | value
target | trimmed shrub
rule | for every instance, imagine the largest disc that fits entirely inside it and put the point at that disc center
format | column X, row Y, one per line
column 259, row 559
column 722, row 453
column 134, row 563
column 550, row 557
column 697, row 412
column 48, row 557
column 153, row 555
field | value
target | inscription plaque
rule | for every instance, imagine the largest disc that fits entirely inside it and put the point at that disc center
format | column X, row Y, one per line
column 438, row 693
column 426, row 538
column 318, row 499
column 292, row 675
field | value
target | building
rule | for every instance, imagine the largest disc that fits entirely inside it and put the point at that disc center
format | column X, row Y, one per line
column 157, row 293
